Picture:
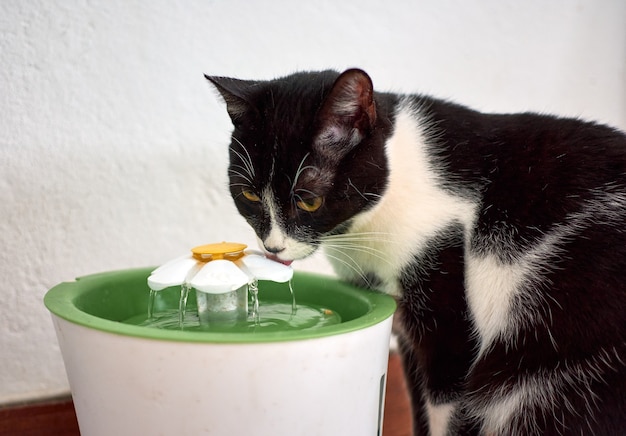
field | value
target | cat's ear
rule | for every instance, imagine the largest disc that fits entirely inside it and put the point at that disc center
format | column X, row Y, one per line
column 347, row 114
column 234, row 92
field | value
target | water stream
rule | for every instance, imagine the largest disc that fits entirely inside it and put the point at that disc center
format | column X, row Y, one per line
column 151, row 299
column 253, row 289
column 182, row 304
column 262, row 315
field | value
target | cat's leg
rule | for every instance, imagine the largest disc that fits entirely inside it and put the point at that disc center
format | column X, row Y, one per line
column 579, row 396
column 557, row 364
column 436, row 410
column 414, row 381
column 438, row 348
column 432, row 416
column 462, row 424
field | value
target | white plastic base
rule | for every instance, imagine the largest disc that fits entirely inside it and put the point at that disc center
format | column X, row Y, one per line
column 124, row 385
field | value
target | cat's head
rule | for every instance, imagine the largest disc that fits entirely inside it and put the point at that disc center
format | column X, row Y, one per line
column 307, row 155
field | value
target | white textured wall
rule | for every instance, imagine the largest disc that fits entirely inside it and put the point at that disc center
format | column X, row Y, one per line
column 113, row 148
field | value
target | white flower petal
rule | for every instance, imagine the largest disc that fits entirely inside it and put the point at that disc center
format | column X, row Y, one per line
column 172, row 273
column 263, row 268
column 218, row 277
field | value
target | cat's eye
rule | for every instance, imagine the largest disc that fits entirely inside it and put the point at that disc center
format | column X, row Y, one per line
column 250, row 196
column 310, row 205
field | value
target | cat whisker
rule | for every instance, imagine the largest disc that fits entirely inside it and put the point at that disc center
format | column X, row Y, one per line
column 306, row 191
column 357, row 247
column 371, row 194
column 363, row 195
column 359, row 233
column 245, row 185
column 299, row 171
column 363, row 243
column 370, row 251
column 370, row 235
column 357, row 189
column 366, row 239
column 352, row 265
column 247, row 166
column 240, row 174
column 247, row 160
column 242, row 168
column 361, row 237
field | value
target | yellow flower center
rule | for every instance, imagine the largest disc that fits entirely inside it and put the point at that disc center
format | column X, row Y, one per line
column 221, row 250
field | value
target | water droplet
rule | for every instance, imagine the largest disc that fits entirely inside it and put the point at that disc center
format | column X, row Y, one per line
column 253, row 288
column 182, row 304
column 294, row 306
column 151, row 303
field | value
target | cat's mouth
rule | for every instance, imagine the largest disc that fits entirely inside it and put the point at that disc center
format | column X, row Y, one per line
column 289, row 251
column 278, row 259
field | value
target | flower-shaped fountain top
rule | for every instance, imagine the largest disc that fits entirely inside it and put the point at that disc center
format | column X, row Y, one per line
column 218, row 268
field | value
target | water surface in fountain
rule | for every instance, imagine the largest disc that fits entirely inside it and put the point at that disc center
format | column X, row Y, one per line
column 263, row 315
column 272, row 316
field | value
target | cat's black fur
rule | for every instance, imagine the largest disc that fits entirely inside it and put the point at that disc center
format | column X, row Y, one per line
column 543, row 208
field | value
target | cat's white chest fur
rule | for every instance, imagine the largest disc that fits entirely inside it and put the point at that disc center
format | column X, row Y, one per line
column 411, row 212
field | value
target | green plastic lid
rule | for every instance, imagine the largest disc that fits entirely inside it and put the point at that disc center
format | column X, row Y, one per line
column 103, row 301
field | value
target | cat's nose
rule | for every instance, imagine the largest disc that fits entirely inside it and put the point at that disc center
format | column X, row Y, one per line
column 273, row 249
column 274, row 242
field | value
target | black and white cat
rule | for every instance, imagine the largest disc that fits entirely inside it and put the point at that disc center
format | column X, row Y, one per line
column 502, row 237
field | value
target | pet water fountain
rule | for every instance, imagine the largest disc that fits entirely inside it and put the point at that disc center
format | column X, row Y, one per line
column 223, row 342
